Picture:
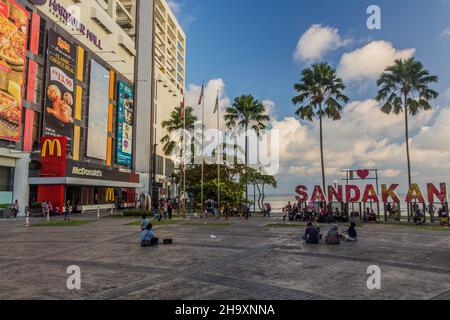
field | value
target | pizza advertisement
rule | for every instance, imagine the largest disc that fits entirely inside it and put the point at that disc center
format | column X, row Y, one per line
column 60, row 87
column 13, row 41
column 125, row 120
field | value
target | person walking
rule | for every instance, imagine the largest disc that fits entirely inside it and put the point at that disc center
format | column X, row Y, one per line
column 170, row 208
column 15, row 208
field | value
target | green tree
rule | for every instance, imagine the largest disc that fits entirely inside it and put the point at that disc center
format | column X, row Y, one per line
column 174, row 126
column 231, row 190
column 174, row 137
column 261, row 180
column 404, row 87
column 246, row 113
column 320, row 94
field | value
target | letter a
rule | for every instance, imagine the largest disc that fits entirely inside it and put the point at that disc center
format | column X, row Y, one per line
column 374, row 21
column 74, row 281
column 374, row 281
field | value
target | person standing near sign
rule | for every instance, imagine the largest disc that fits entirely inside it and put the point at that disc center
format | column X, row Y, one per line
column 67, row 211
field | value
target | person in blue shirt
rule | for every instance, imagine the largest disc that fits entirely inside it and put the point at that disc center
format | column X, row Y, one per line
column 148, row 237
column 144, row 222
column 311, row 234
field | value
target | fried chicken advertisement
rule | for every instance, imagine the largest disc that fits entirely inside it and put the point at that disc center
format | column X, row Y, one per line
column 62, row 106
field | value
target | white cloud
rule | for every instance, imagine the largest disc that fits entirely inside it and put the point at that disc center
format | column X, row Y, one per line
column 317, row 41
column 185, row 15
column 369, row 62
column 270, row 107
column 364, row 138
column 446, row 32
column 446, row 94
column 211, row 89
column 175, row 6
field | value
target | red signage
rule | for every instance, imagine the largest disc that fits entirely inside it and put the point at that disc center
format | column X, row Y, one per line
column 53, row 156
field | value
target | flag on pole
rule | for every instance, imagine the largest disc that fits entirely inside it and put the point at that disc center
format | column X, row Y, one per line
column 202, row 94
column 216, row 106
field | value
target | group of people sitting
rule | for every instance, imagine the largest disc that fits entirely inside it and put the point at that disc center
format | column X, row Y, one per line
column 298, row 212
column 313, row 235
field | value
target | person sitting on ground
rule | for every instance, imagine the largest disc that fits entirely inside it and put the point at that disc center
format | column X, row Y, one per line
column 332, row 236
column 372, row 216
column 337, row 215
column 144, row 222
column 148, row 237
column 351, row 234
column 311, row 234
column 418, row 217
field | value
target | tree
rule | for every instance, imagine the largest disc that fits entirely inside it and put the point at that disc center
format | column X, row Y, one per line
column 404, row 87
column 261, row 180
column 231, row 190
column 246, row 113
column 175, row 125
column 320, row 94
column 174, row 137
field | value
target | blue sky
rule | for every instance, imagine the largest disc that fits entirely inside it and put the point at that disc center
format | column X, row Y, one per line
column 250, row 46
column 250, row 43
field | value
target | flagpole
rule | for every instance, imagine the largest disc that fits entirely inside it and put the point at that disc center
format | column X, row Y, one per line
column 184, row 159
column 218, row 154
column 203, row 154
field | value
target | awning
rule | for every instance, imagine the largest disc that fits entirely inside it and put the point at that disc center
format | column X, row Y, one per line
column 83, row 182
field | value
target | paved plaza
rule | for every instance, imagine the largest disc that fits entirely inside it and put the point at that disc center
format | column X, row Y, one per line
column 242, row 261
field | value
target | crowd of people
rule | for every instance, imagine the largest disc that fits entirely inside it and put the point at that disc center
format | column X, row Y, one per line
column 332, row 237
column 323, row 214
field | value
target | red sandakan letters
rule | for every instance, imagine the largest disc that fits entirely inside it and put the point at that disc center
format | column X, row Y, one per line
column 388, row 192
column 335, row 195
column 352, row 193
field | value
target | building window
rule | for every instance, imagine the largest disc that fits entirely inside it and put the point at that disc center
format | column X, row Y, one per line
column 170, row 168
column 36, row 122
column 39, row 85
column 159, row 165
column 42, row 38
column 6, row 177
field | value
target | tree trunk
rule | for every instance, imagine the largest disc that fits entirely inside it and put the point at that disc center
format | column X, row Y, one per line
column 246, row 164
column 321, row 150
column 407, row 152
column 407, row 143
column 260, row 207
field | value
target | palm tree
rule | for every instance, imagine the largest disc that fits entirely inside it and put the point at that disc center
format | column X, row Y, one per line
column 176, row 124
column 320, row 94
column 404, row 87
column 174, row 127
column 246, row 113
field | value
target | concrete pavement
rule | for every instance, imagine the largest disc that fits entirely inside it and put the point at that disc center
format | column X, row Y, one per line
column 246, row 260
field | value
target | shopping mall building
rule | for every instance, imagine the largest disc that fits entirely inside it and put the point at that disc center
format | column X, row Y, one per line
column 72, row 124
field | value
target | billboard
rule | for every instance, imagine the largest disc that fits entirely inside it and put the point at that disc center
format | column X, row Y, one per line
column 97, row 142
column 13, row 41
column 125, row 115
column 58, row 121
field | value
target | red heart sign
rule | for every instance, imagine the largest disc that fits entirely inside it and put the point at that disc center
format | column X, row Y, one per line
column 363, row 174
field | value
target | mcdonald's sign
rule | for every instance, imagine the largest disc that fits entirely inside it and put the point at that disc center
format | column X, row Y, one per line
column 109, row 196
column 51, row 148
column 53, row 156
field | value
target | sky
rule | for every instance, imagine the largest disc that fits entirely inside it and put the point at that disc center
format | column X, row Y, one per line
column 261, row 47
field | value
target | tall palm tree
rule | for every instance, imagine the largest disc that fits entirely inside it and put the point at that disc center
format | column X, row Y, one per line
column 320, row 94
column 404, row 87
column 246, row 113
column 176, row 124
column 174, row 127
